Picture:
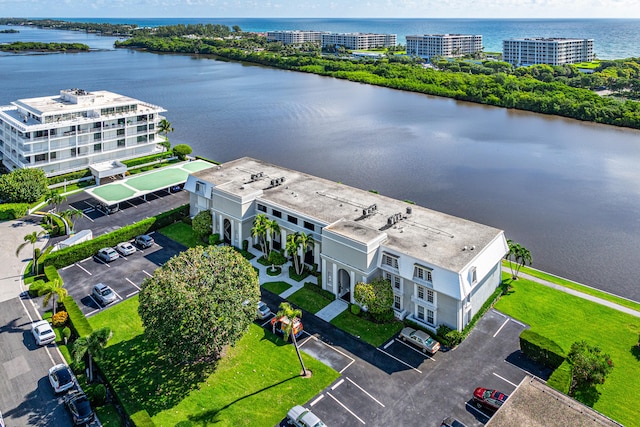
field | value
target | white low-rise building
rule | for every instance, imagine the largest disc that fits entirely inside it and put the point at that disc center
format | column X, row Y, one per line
column 445, row 45
column 292, row 37
column 551, row 51
column 75, row 129
column 359, row 41
column 442, row 268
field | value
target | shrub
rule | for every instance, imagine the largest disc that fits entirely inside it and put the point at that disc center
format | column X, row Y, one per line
column 449, row 336
column 276, row 258
column 541, row 349
column 355, row 309
column 182, row 151
column 34, row 288
column 214, row 239
column 377, row 296
column 202, row 223
column 66, row 334
column 60, row 319
column 97, row 394
column 560, row 379
column 245, row 243
column 13, row 210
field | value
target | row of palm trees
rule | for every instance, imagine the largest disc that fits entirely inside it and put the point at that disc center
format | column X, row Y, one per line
column 265, row 230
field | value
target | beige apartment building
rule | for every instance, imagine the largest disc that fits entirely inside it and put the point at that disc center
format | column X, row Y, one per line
column 552, row 51
column 446, row 45
column 293, row 37
column 359, row 41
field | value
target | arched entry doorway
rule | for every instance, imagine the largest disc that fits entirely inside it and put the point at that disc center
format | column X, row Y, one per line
column 344, row 285
column 226, row 235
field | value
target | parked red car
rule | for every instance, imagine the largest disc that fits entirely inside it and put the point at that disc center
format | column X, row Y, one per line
column 489, row 399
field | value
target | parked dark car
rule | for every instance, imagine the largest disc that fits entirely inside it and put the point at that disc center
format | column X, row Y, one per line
column 488, row 399
column 144, row 241
column 107, row 209
column 451, row 422
column 79, row 407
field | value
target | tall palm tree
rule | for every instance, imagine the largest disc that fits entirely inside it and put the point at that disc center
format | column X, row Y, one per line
column 54, row 198
column 164, row 127
column 304, row 241
column 291, row 313
column 273, row 228
column 38, row 254
column 69, row 217
column 51, row 290
column 91, row 345
column 32, row 239
column 260, row 230
column 292, row 250
column 518, row 255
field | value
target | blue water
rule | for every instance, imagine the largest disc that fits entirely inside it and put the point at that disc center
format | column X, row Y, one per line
column 613, row 38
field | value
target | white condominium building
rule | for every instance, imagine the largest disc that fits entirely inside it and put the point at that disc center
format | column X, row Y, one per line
column 76, row 129
column 441, row 268
column 357, row 41
column 552, row 51
column 295, row 36
column 447, row 45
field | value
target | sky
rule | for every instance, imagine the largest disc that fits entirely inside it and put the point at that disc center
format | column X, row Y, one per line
column 320, row 8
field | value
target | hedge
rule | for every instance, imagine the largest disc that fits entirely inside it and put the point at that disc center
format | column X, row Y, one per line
column 75, row 253
column 13, row 210
column 51, row 273
column 207, row 160
column 561, row 378
column 541, row 349
column 79, row 322
column 34, row 288
column 147, row 159
column 71, row 176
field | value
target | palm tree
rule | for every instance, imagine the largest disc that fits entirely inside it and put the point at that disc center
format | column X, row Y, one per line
column 32, row 239
column 273, row 228
column 292, row 314
column 292, row 250
column 38, row 254
column 260, row 231
column 69, row 217
column 55, row 198
column 51, row 290
column 91, row 345
column 518, row 255
column 165, row 127
column 304, row 241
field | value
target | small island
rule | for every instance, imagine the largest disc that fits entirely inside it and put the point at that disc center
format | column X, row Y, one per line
column 9, row 31
column 43, row 47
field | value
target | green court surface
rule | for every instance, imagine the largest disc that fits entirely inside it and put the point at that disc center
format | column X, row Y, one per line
column 146, row 183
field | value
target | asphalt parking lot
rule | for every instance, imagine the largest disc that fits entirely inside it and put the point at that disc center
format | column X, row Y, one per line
column 124, row 275
column 397, row 384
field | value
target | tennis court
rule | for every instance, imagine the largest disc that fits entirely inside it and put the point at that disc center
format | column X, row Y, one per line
column 149, row 182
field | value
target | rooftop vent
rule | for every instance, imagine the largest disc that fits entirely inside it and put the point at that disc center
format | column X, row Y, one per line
column 409, row 210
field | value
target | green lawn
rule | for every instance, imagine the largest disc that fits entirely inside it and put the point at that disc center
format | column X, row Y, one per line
column 183, row 234
column 276, row 287
column 255, row 384
column 565, row 319
column 308, row 300
column 109, row 416
column 575, row 286
column 373, row 333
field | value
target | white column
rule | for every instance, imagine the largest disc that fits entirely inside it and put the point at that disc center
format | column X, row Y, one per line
column 240, row 234
column 352, row 285
column 334, row 275
column 220, row 227
column 283, row 240
column 316, row 254
column 323, row 264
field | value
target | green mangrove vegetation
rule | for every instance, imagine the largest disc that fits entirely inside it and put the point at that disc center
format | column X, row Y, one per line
column 43, row 47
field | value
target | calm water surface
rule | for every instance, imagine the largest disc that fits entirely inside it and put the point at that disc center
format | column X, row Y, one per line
column 568, row 191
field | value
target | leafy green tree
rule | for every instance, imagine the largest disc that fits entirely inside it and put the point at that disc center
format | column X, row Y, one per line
column 202, row 224
column 518, row 257
column 182, row 151
column 376, row 296
column 31, row 239
column 91, row 346
column 50, row 290
column 291, row 313
column 260, row 230
column 236, row 29
column 23, row 185
column 199, row 302
column 589, row 365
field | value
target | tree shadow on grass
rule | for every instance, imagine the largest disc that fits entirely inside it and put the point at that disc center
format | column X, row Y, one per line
column 588, row 395
column 635, row 350
column 144, row 379
column 212, row 415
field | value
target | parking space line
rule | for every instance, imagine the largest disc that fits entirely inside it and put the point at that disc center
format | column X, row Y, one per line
column 131, row 204
column 318, row 399
column 132, row 294
column 300, row 344
column 477, row 410
column 415, row 349
column 121, row 299
column 499, row 329
column 336, row 385
column 150, row 275
column 401, row 361
column 388, row 344
column 347, row 409
column 86, row 216
column 504, row 316
column 84, row 269
column 506, row 380
column 265, row 323
column 337, row 351
column 134, row 285
column 365, row 392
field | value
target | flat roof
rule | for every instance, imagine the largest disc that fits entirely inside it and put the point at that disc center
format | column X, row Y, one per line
column 146, row 183
column 534, row 404
column 445, row 240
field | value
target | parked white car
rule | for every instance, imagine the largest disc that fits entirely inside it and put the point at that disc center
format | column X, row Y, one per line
column 300, row 416
column 61, row 378
column 43, row 332
column 125, row 248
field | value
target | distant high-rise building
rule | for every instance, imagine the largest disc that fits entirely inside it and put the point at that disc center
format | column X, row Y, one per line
column 295, row 36
column 447, row 45
column 76, row 129
column 552, row 51
column 356, row 41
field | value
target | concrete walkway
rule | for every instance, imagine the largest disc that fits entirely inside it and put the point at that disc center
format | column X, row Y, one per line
column 579, row 294
column 327, row 313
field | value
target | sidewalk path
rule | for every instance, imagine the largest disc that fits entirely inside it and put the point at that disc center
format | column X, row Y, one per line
column 579, row 294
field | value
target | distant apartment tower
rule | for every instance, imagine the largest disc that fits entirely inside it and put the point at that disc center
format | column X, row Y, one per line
column 357, row 41
column 295, row 36
column 552, row 51
column 447, row 45
column 76, row 129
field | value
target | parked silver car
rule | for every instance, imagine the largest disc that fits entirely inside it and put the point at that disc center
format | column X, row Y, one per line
column 125, row 248
column 300, row 416
column 107, row 255
column 144, row 241
column 42, row 332
column 103, row 294
column 420, row 339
